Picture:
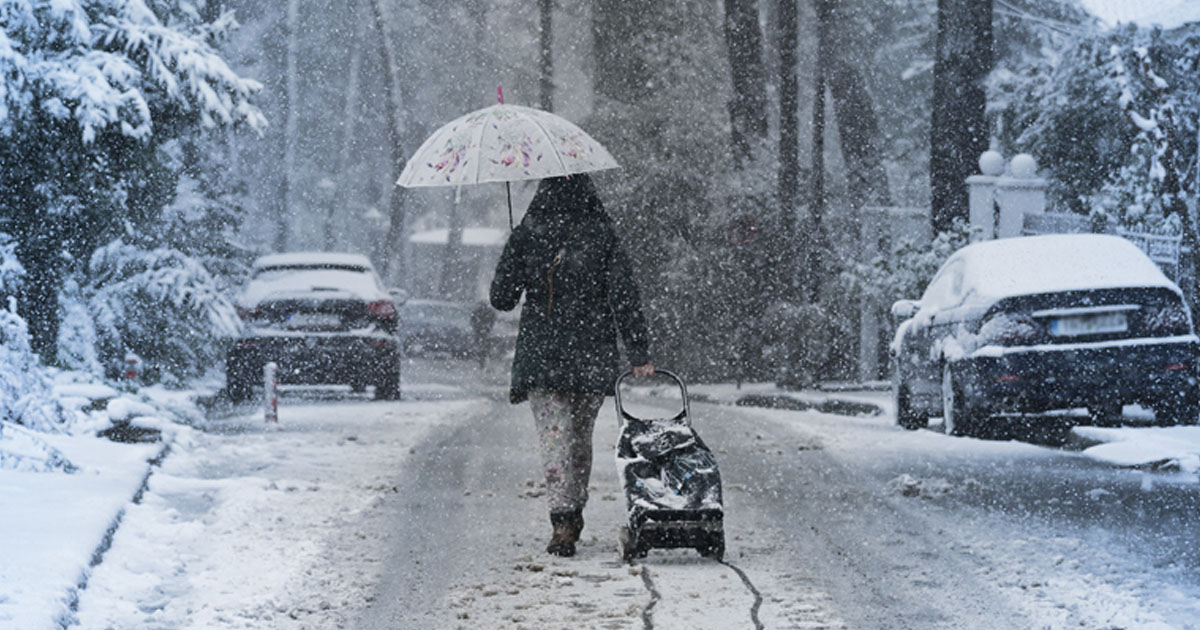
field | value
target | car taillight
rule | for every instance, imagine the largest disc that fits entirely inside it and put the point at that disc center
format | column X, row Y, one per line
column 246, row 314
column 1166, row 320
column 382, row 309
column 1010, row 329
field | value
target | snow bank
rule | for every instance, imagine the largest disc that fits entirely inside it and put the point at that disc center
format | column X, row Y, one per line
column 1167, row 448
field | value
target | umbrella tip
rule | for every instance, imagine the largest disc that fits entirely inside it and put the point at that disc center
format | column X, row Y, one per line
column 500, row 94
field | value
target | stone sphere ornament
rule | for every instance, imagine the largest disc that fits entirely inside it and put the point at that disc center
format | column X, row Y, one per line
column 991, row 163
column 1023, row 166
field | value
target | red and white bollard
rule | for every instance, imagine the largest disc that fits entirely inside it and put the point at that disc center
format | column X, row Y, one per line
column 270, row 393
column 132, row 371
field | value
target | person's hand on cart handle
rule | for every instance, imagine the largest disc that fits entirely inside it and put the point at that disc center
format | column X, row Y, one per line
column 643, row 370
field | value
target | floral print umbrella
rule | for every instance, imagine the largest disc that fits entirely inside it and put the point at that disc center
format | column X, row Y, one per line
column 504, row 143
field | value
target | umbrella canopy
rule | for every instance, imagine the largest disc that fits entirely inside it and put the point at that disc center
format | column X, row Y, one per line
column 504, row 143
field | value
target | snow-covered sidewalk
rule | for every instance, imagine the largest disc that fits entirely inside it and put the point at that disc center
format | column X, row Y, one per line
column 53, row 524
column 253, row 525
column 63, row 495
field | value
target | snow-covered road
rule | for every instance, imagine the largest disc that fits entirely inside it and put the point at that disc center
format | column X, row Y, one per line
column 428, row 514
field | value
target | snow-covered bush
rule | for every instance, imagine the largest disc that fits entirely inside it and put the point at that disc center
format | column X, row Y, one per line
column 77, row 338
column 23, row 450
column 12, row 274
column 25, row 394
column 160, row 304
column 801, row 341
column 903, row 272
column 26, row 399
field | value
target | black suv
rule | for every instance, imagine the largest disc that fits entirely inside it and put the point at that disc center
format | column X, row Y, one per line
column 323, row 318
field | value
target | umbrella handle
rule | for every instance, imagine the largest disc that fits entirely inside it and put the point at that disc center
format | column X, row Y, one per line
column 500, row 94
column 508, row 191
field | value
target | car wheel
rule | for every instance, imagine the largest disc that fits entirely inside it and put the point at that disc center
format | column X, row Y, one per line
column 958, row 418
column 237, row 385
column 1180, row 410
column 1105, row 413
column 388, row 386
column 906, row 417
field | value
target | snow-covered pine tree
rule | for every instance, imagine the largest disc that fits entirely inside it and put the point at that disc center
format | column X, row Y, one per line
column 1074, row 108
column 1145, row 194
column 25, row 395
column 90, row 91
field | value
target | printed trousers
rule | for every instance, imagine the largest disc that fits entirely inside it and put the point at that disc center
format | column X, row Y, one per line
column 564, row 422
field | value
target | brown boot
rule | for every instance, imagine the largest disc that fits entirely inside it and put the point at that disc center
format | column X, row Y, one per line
column 567, row 527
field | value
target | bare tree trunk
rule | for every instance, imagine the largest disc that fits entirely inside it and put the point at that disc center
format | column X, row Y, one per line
column 349, row 125
column 748, row 108
column 291, row 106
column 546, row 61
column 861, row 140
column 789, row 123
column 958, row 131
column 816, row 206
column 453, row 271
column 621, row 73
column 391, row 90
column 857, row 124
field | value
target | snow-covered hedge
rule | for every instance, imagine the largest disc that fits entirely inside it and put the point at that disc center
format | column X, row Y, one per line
column 160, row 304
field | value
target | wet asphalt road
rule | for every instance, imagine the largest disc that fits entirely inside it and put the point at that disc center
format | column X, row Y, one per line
column 898, row 529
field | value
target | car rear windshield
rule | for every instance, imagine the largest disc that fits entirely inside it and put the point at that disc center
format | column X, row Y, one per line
column 310, row 267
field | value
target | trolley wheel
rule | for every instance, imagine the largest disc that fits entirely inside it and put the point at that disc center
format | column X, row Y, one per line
column 715, row 548
column 631, row 547
column 628, row 547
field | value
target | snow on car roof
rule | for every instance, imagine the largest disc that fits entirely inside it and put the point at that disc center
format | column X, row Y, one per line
column 1029, row 265
column 328, row 274
column 475, row 236
column 312, row 258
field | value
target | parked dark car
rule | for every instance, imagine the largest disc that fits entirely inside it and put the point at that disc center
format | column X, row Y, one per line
column 1037, row 323
column 437, row 328
column 323, row 318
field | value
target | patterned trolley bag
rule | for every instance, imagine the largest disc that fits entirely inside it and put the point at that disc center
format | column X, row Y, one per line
column 671, row 480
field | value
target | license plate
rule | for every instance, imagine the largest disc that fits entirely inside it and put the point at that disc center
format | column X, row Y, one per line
column 313, row 320
column 1091, row 324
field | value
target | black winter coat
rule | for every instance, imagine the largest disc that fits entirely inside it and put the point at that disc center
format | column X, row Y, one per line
column 573, row 308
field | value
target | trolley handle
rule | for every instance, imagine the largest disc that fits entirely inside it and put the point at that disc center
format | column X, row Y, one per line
column 684, row 414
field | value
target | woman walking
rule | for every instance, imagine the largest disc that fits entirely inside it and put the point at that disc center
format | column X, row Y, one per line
column 579, row 291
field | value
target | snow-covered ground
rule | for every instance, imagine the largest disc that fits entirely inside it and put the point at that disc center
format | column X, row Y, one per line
column 250, row 525
column 1161, row 448
column 62, row 494
column 1168, row 449
column 52, row 523
column 253, row 525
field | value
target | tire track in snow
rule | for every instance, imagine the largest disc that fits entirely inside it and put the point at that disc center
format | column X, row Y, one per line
column 648, row 611
column 758, row 598
column 657, row 597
